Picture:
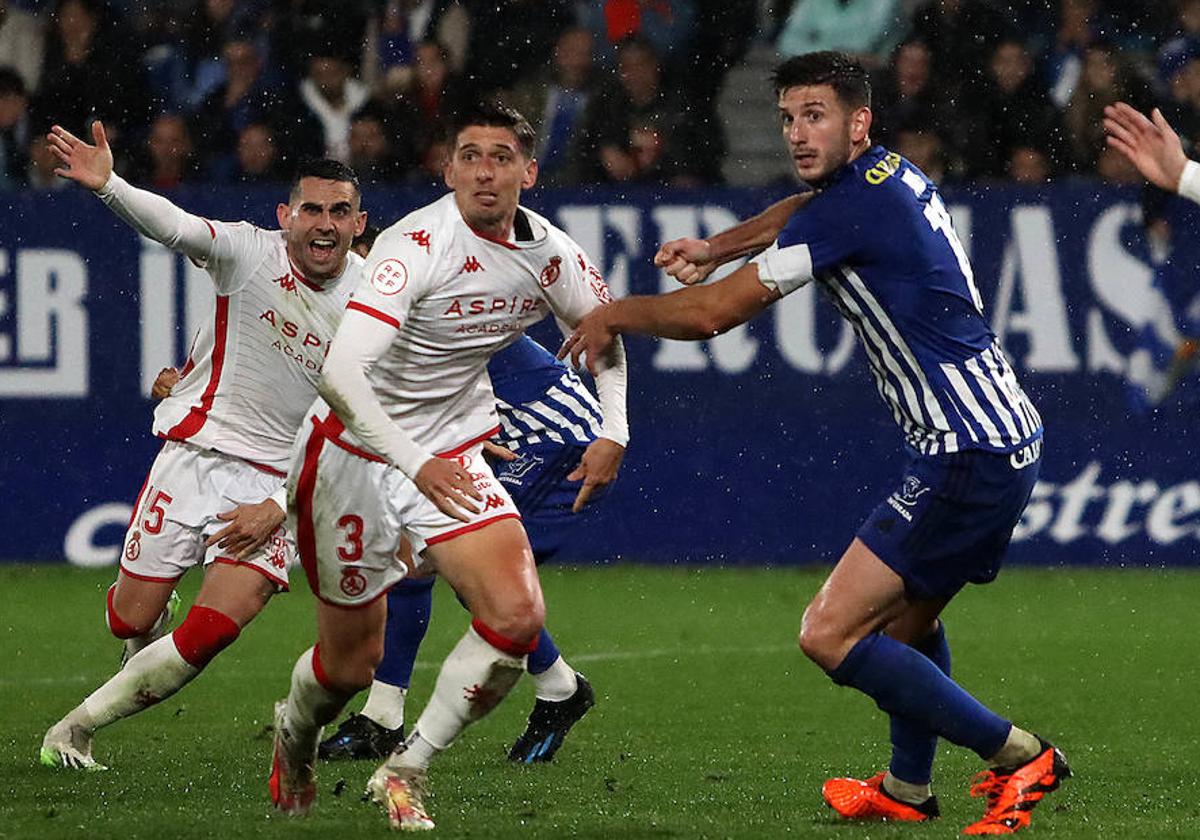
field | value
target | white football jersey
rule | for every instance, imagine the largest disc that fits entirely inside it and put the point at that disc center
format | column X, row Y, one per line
column 456, row 297
column 253, row 367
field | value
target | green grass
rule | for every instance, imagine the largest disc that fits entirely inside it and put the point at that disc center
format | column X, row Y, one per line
column 709, row 723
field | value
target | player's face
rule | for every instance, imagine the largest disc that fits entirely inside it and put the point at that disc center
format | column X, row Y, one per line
column 321, row 221
column 821, row 132
column 487, row 172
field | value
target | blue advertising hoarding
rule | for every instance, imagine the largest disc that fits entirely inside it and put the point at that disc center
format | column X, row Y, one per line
column 765, row 445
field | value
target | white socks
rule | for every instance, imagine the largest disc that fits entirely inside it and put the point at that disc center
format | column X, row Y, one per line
column 154, row 674
column 1019, row 748
column 474, row 678
column 385, row 705
column 556, row 683
column 310, row 705
column 906, row 792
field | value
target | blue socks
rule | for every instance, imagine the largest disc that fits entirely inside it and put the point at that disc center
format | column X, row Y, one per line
column 907, row 684
column 544, row 656
column 409, row 605
column 913, row 746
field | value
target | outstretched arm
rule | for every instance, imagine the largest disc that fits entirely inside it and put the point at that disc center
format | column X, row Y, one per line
column 692, row 314
column 1153, row 147
column 150, row 215
column 691, row 260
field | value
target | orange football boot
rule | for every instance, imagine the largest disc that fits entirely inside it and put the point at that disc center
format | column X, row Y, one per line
column 1013, row 792
column 857, row 799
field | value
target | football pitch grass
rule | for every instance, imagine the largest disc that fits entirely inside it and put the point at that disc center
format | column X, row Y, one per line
column 709, row 722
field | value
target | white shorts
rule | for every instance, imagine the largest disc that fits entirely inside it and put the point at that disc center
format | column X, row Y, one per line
column 177, row 509
column 349, row 509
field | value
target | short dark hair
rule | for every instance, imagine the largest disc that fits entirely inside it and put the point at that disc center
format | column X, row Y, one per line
column 326, row 169
column 844, row 74
column 493, row 112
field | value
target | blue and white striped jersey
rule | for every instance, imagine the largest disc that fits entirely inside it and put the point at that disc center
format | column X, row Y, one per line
column 880, row 243
column 540, row 399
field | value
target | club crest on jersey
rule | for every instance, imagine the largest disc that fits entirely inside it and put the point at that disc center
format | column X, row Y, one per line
column 471, row 265
column 420, row 237
column 390, row 277
column 550, row 273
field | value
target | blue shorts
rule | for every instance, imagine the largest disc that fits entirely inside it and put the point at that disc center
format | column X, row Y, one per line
column 951, row 519
column 537, row 482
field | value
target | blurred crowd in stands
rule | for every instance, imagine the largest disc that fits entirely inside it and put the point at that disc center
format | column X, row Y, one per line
column 234, row 91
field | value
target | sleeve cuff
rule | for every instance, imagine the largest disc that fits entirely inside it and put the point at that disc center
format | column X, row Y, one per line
column 784, row 269
column 1189, row 181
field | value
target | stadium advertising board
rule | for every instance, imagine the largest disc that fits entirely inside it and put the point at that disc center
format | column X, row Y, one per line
column 764, row 445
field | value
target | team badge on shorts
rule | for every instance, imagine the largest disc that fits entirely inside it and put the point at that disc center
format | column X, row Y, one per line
column 133, row 548
column 903, row 500
column 353, row 583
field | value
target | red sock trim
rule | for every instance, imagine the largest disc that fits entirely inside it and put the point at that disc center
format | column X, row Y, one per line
column 116, row 624
column 204, row 633
column 319, row 672
column 503, row 643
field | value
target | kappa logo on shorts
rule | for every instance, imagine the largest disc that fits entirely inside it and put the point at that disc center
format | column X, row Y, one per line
column 493, row 501
column 277, row 553
column 390, row 277
column 353, row 583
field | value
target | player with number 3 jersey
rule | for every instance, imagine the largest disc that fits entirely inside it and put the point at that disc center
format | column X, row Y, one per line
column 395, row 448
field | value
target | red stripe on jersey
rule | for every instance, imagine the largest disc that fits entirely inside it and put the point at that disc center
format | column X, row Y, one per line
column 306, row 539
column 267, row 468
column 510, row 246
column 198, row 414
column 212, row 230
column 331, row 428
column 296, row 273
column 373, row 312
column 466, row 529
column 463, row 447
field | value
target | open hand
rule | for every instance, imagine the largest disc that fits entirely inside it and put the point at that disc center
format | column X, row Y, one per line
column 88, row 166
column 592, row 337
